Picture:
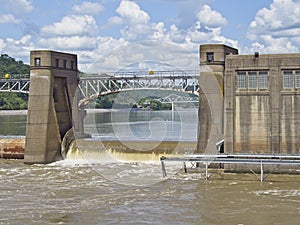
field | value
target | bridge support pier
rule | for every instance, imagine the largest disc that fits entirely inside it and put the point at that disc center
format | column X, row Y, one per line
column 53, row 106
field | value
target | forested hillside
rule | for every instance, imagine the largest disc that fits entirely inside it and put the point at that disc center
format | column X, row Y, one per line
column 9, row 100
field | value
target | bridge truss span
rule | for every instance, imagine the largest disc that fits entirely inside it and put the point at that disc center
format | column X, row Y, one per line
column 102, row 84
column 18, row 83
column 93, row 85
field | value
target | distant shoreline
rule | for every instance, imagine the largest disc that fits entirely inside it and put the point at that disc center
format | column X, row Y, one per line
column 24, row 112
column 12, row 112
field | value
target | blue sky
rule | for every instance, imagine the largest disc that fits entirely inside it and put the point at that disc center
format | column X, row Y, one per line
column 112, row 34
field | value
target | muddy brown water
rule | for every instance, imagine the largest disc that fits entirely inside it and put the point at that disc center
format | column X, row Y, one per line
column 85, row 192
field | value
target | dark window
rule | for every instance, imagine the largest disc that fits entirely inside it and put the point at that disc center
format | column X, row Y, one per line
column 57, row 63
column 209, row 56
column 37, row 61
column 65, row 64
column 72, row 65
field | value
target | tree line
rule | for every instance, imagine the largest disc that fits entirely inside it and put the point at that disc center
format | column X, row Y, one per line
column 10, row 100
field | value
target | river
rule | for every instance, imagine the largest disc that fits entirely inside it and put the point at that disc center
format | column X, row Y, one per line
column 93, row 191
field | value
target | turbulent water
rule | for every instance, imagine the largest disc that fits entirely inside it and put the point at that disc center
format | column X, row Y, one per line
column 128, row 188
column 77, row 192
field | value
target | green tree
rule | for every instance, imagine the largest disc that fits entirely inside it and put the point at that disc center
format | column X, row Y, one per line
column 11, row 66
column 12, row 101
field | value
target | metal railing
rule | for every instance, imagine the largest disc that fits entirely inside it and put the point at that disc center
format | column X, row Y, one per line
column 242, row 159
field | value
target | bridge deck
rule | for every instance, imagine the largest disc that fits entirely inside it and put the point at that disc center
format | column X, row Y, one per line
column 242, row 159
column 93, row 85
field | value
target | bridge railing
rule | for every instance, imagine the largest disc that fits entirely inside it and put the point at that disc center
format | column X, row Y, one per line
column 15, row 83
column 140, row 74
column 14, row 76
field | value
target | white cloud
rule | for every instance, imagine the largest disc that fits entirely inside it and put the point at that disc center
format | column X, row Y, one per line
column 9, row 18
column 137, row 22
column 17, row 6
column 88, row 8
column 2, row 45
column 159, row 31
column 208, row 29
column 17, row 48
column 133, row 55
column 277, row 24
column 145, row 40
column 72, row 33
column 69, row 43
column 131, row 11
column 269, row 45
column 211, row 18
column 176, row 35
column 187, row 11
column 140, row 41
column 72, row 25
column 115, row 20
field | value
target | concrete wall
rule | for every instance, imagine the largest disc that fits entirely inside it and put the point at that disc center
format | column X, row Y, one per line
column 53, row 106
column 211, row 116
column 262, row 120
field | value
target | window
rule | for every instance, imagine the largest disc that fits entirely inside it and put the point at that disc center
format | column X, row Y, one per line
column 72, row 65
column 253, row 80
column 65, row 64
column 297, row 79
column 209, row 56
column 57, row 63
column 263, row 82
column 252, row 83
column 291, row 79
column 241, row 80
column 37, row 61
column 288, row 79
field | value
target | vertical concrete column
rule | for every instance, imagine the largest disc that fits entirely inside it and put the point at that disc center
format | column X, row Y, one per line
column 52, row 107
column 211, row 96
column 275, row 89
column 229, row 101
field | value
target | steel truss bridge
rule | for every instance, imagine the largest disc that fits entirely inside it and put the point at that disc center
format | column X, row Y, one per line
column 15, row 83
column 94, row 85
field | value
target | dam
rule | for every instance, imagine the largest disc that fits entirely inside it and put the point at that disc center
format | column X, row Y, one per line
column 227, row 81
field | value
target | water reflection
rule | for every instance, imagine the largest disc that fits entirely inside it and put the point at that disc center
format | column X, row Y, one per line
column 13, row 125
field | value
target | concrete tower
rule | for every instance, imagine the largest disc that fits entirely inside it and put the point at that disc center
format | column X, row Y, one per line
column 52, row 107
column 211, row 112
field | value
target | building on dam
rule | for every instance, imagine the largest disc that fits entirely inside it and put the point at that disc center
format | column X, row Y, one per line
column 260, row 101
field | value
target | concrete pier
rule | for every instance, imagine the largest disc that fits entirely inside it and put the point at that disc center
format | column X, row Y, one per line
column 53, row 106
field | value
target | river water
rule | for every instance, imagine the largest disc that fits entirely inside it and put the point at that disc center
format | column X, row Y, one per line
column 84, row 190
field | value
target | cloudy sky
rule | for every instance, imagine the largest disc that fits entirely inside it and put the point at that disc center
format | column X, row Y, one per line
column 110, row 34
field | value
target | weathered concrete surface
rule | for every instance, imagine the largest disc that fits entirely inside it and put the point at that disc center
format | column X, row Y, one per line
column 262, row 120
column 53, row 106
column 12, row 148
column 211, row 116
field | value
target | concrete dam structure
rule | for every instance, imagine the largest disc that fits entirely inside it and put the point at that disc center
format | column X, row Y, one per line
column 53, row 105
column 249, row 101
